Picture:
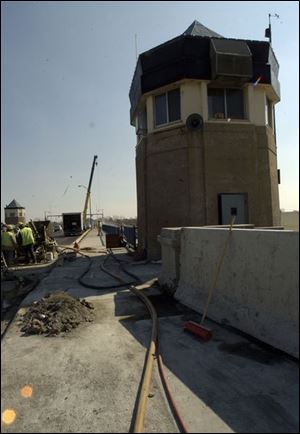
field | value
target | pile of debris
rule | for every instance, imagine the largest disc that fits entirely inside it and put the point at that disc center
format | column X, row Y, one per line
column 56, row 313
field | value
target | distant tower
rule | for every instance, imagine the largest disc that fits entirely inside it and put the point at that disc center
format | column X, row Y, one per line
column 14, row 213
column 203, row 108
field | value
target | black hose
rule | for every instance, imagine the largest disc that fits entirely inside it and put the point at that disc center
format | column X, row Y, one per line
column 34, row 284
column 90, row 285
column 122, row 266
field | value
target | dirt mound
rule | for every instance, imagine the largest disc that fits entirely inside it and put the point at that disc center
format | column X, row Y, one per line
column 56, row 313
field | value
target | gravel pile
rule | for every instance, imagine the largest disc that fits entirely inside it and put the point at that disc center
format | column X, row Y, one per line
column 56, row 313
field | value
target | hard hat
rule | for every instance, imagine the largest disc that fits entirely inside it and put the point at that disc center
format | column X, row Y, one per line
column 9, row 227
column 21, row 225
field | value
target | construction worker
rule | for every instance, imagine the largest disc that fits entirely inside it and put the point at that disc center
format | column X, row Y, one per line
column 27, row 242
column 8, row 244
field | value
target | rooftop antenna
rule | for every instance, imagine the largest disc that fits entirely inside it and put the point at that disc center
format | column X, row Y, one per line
column 135, row 40
column 268, row 31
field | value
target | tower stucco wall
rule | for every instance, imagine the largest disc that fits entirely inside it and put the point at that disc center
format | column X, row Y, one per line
column 180, row 174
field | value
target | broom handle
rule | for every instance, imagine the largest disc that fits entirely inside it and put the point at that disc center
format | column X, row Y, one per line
column 218, row 272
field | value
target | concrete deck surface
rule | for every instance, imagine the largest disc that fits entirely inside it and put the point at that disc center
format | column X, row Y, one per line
column 87, row 381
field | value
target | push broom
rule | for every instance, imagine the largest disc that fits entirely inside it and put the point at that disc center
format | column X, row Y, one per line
column 194, row 327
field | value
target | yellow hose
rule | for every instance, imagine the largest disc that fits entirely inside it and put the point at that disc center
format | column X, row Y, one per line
column 151, row 354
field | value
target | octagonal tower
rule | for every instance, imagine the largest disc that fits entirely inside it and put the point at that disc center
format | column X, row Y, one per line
column 203, row 109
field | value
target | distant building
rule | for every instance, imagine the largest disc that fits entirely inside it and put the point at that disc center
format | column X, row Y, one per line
column 14, row 213
column 203, row 109
column 290, row 220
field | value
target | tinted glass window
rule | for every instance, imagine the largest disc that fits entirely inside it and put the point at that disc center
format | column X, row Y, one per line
column 216, row 107
column 174, row 105
column 269, row 110
column 160, row 109
column 235, row 103
column 142, row 121
column 226, row 103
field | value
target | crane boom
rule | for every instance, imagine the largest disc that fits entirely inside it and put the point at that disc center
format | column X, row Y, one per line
column 88, row 193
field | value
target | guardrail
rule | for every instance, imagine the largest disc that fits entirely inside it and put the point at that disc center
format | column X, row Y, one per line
column 127, row 232
column 130, row 234
column 111, row 229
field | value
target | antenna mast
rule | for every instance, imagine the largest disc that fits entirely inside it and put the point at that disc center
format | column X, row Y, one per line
column 268, row 31
column 135, row 40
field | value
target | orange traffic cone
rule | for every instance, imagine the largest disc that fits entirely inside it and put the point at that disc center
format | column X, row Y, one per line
column 76, row 245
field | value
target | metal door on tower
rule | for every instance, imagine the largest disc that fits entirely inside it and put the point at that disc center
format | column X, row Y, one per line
column 233, row 204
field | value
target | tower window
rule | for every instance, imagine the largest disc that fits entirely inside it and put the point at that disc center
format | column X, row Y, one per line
column 141, row 127
column 226, row 103
column 269, row 112
column 167, row 107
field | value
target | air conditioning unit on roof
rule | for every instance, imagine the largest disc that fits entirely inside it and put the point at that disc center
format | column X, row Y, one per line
column 230, row 60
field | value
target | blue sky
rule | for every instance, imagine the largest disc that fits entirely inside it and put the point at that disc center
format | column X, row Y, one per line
column 66, row 69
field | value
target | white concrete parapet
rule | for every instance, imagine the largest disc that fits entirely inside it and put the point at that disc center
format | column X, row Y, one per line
column 170, row 246
column 258, row 287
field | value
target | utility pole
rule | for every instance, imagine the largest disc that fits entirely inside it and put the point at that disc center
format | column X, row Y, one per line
column 91, row 211
column 45, row 214
column 88, row 195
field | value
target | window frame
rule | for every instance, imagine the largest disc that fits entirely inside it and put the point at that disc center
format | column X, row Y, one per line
column 226, row 117
column 269, row 113
column 166, row 93
column 142, row 121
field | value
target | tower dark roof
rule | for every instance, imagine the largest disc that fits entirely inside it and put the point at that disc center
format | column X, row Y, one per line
column 193, row 55
column 14, row 204
column 197, row 29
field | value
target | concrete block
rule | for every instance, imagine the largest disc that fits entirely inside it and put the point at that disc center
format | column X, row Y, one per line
column 258, row 287
column 170, row 245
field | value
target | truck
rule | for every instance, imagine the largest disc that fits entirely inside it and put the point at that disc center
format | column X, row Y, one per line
column 72, row 223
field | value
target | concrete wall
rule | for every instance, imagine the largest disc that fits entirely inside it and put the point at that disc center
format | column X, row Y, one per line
column 180, row 174
column 13, row 216
column 14, row 212
column 256, row 105
column 170, row 185
column 290, row 220
column 258, row 288
column 14, row 220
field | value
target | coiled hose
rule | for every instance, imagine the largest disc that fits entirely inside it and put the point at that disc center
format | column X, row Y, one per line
column 90, row 285
column 152, row 351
